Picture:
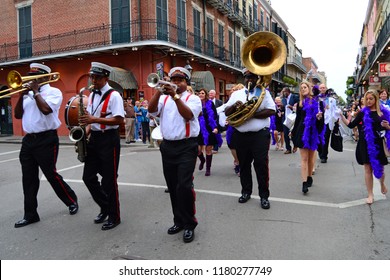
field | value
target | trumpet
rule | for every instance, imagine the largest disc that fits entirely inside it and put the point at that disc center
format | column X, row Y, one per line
column 154, row 81
column 19, row 83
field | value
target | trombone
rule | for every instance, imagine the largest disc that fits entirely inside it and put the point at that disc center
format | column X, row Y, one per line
column 18, row 83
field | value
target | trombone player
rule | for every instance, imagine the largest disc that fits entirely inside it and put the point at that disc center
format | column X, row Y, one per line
column 38, row 108
column 253, row 138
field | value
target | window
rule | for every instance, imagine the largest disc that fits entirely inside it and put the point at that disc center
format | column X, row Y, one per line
column 161, row 16
column 210, row 37
column 25, row 32
column 231, row 48
column 255, row 19
column 238, row 51
column 120, row 14
column 221, row 39
column 197, row 34
column 181, row 22
column 261, row 20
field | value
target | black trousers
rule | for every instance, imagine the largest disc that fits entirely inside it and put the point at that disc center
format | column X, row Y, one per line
column 40, row 150
column 179, row 159
column 286, row 132
column 254, row 147
column 103, row 152
column 323, row 150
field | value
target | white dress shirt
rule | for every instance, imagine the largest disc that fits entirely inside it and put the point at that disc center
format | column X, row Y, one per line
column 252, row 124
column 34, row 121
column 115, row 107
column 172, row 124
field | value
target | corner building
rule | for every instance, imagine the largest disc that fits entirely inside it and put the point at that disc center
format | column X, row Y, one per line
column 136, row 38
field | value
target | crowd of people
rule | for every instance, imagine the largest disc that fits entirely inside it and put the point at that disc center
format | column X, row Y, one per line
column 191, row 123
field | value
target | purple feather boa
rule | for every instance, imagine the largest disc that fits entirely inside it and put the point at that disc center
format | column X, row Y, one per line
column 212, row 123
column 372, row 148
column 310, row 137
column 272, row 128
column 386, row 116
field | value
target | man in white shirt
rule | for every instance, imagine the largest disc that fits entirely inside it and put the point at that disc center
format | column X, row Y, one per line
column 253, row 139
column 179, row 111
column 105, row 112
column 38, row 109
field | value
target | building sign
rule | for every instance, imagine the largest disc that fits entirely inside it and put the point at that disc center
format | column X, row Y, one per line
column 384, row 69
column 374, row 81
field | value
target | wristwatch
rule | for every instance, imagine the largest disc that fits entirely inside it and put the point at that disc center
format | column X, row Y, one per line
column 176, row 97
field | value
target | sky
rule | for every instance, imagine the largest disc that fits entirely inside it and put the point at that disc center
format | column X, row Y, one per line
column 328, row 31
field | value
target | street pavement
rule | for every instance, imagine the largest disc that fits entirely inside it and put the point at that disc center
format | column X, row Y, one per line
column 331, row 222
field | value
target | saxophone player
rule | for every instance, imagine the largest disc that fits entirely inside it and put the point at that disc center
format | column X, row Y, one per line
column 253, row 139
column 105, row 112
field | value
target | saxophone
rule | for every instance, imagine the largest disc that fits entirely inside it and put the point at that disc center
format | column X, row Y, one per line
column 78, row 134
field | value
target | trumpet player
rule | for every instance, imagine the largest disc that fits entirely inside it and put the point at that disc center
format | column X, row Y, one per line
column 253, row 139
column 38, row 108
column 105, row 112
column 179, row 111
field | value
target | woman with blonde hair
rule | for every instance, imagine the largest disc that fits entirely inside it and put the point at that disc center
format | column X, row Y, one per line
column 370, row 153
column 307, row 129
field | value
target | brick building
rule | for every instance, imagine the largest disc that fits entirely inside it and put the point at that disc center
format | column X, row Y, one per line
column 135, row 37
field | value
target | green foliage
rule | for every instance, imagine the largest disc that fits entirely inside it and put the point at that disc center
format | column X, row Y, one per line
column 290, row 81
column 349, row 92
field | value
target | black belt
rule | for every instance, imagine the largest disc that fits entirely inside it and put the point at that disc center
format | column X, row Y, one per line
column 181, row 140
column 101, row 132
column 261, row 130
column 43, row 133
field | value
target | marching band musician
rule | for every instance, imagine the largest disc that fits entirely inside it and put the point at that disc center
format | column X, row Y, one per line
column 105, row 112
column 179, row 111
column 38, row 108
column 253, row 139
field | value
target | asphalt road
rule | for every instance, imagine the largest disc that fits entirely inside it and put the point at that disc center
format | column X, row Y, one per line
column 331, row 222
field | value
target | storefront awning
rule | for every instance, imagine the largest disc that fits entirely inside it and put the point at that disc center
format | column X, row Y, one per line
column 124, row 78
column 202, row 79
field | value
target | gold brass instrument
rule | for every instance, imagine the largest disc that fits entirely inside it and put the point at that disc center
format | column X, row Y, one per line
column 18, row 83
column 262, row 53
column 78, row 133
column 154, row 81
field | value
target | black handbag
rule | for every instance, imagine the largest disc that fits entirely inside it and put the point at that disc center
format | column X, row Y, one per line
column 336, row 140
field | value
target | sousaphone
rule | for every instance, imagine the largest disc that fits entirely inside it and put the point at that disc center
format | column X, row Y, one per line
column 262, row 53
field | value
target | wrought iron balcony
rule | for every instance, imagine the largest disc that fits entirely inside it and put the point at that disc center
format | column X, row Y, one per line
column 145, row 32
column 378, row 48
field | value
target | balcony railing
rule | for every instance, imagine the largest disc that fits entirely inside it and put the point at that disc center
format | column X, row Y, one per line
column 381, row 41
column 112, row 35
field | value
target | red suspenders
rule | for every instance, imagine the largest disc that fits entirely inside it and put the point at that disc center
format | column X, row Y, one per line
column 187, row 122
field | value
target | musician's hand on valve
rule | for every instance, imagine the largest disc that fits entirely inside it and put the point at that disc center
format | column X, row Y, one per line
column 33, row 86
column 238, row 104
column 169, row 90
column 86, row 119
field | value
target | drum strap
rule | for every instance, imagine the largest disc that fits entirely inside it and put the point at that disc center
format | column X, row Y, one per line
column 187, row 122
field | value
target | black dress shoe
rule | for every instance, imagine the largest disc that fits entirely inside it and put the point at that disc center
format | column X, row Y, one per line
column 100, row 218
column 264, row 203
column 174, row 229
column 244, row 198
column 25, row 222
column 110, row 224
column 73, row 208
column 324, row 160
column 188, row 235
